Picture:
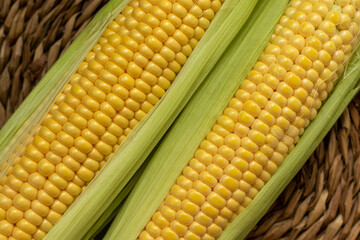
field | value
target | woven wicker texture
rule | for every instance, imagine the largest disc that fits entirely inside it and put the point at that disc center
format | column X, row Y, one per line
column 33, row 34
column 322, row 201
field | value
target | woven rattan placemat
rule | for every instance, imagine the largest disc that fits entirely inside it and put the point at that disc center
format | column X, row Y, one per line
column 322, row 201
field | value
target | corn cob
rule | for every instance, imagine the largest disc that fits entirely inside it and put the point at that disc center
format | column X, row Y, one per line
column 118, row 83
column 262, row 122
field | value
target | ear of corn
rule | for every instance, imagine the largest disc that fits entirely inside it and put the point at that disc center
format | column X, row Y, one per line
column 192, row 125
column 348, row 87
column 99, row 107
column 262, row 122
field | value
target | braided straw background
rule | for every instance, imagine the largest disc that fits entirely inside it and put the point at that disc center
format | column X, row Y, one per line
column 323, row 200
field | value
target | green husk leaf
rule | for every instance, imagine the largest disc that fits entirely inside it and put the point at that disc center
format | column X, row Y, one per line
column 181, row 141
column 38, row 102
column 84, row 212
column 114, row 207
column 345, row 91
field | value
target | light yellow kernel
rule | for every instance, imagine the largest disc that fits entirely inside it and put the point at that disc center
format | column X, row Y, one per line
column 91, row 104
column 58, row 181
column 203, row 156
column 53, row 216
column 233, row 171
column 266, row 149
column 243, row 95
column 243, row 185
column 39, row 234
column 14, row 182
column 46, row 225
column 220, row 160
column 229, row 182
column 52, row 125
column 240, row 164
column 257, row 137
column 178, row 192
column 28, row 191
column 173, row 44
column 259, row 184
column 324, row 57
column 304, row 61
column 85, row 174
column 208, row 179
column 251, row 195
column 249, row 144
column 46, row 134
column 190, row 173
column 233, row 141
column 294, row 104
column 184, row 182
column 227, row 213
column 241, row 130
column 13, row 215
column 278, row 97
column 273, row 108
column 202, row 188
column 283, row 123
column 277, row 131
column 83, row 111
column 20, row 234
column 58, row 207
column 216, row 200
column 214, row 170
column 6, row 228
column 190, row 207
column 328, row 27
column 73, row 189
column 277, row 71
column 334, row 16
column 144, row 235
column 91, row 164
column 226, row 152
column 45, row 195
column 20, row 203
column 45, row 167
column 153, row 229
column 65, row 139
column 37, row 180
column 260, row 158
column 321, row 9
column 168, row 212
column 231, row 113
column 196, row 165
column 255, row 168
column 271, row 167
column 282, row 148
column 184, row 217
column 95, row 67
column 215, row 230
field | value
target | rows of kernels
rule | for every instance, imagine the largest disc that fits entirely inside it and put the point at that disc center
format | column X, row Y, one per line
column 261, row 123
column 119, row 82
